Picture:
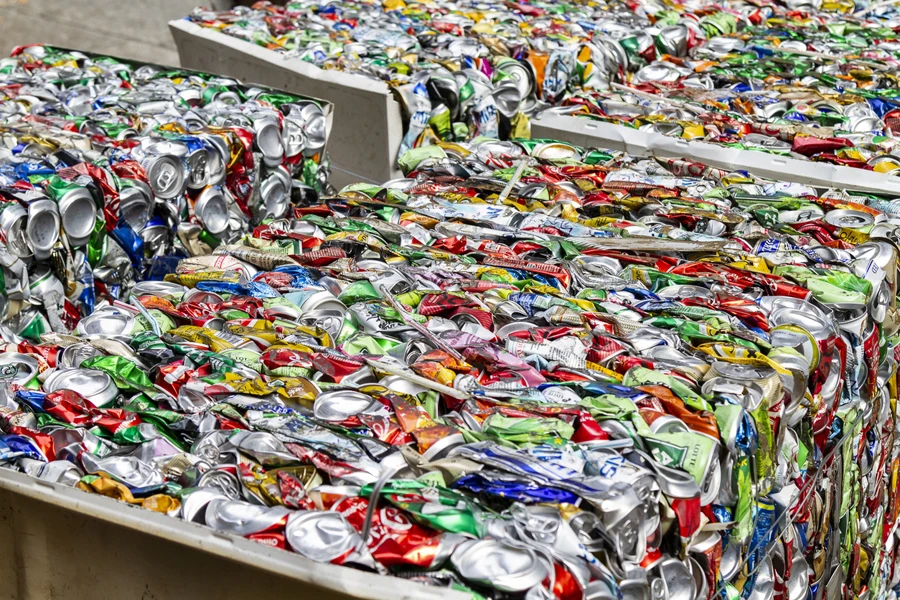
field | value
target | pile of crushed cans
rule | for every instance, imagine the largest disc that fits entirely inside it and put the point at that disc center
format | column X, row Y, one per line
column 784, row 80
column 111, row 171
column 804, row 79
column 523, row 370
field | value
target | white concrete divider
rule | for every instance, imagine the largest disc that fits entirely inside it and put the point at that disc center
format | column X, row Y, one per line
column 586, row 132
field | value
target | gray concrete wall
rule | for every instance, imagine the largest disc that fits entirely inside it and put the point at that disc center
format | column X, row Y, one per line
column 50, row 553
column 128, row 28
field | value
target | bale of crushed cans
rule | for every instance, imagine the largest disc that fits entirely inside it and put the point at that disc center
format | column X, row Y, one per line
column 808, row 80
column 793, row 80
column 113, row 171
column 523, row 370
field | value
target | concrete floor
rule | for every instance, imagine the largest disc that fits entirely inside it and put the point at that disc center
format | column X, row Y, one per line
column 127, row 28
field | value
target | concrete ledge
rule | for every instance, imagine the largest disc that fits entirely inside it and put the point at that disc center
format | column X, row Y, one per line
column 62, row 543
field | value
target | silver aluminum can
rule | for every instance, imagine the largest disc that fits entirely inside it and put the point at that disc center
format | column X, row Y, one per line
column 211, row 208
column 13, row 232
column 77, row 212
column 165, row 174
column 96, row 386
column 43, row 227
column 268, row 140
column 18, row 368
column 499, row 564
column 106, row 321
column 129, row 470
column 135, row 203
column 341, row 404
column 242, row 518
column 275, row 193
column 320, row 536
